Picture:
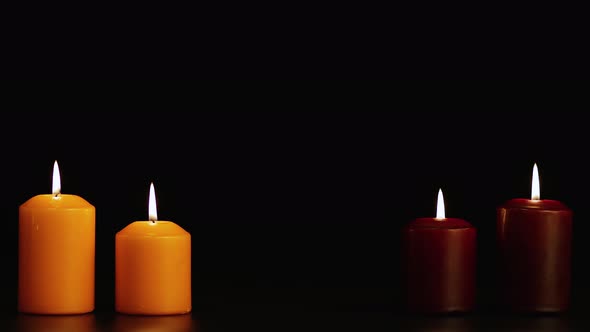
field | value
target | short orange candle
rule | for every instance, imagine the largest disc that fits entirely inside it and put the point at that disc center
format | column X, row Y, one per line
column 153, row 267
column 56, row 253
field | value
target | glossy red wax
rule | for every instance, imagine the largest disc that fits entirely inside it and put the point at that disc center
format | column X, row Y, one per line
column 439, row 265
column 534, row 263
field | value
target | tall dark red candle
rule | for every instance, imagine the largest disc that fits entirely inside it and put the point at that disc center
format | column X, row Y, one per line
column 534, row 241
column 439, row 263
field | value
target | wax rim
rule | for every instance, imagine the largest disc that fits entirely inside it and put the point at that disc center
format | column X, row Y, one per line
column 443, row 223
column 535, row 204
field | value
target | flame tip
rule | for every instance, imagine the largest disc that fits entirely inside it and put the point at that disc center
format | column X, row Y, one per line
column 153, row 212
column 535, row 185
column 56, row 180
column 440, row 205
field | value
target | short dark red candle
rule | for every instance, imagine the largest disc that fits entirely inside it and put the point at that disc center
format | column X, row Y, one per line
column 439, row 264
column 534, row 241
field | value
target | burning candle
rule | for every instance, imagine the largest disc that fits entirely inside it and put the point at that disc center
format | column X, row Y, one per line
column 153, row 266
column 439, row 263
column 534, row 241
column 56, row 236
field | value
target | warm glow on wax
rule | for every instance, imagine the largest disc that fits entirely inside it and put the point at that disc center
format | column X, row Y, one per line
column 535, row 190
column 440, row 206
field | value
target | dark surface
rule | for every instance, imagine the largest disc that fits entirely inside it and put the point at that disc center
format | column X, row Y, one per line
column 296, row 217
column 282, row 316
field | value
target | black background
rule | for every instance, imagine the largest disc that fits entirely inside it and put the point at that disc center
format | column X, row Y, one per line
column 295, row 203
column 248, row 40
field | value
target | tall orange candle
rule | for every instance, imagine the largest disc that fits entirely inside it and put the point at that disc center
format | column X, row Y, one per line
column 56, row 253
column 153, row 266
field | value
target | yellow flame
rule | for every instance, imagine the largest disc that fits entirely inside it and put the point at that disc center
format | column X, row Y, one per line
column 153, row 213
column 440, row 205
column 56, row 183
column 535, row 188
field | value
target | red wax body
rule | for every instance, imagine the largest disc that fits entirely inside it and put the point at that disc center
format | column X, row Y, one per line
column 439, row 265
column 534, row 241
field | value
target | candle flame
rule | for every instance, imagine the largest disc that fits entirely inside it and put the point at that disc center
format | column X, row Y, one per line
column 56, row 183
column 535, row 188
column 153, row 213
column 440, row 205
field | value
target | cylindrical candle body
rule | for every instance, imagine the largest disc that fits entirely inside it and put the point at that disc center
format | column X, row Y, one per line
column 56, row 255
column 534, row 262
column 439, row 260
column 153, row 269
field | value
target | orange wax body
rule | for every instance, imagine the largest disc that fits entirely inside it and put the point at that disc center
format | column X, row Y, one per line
column 56, row 255
column 153, row 269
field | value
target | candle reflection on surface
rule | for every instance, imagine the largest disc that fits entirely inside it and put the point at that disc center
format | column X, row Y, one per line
column 439, row 324
column 56, row 323
column 171, row 323
column 534, row 323
column 468, row 323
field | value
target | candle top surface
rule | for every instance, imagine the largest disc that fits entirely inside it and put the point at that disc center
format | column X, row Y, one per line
column 62, row 201
column 152, row 229
column 439, row 223
column 535, row 204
